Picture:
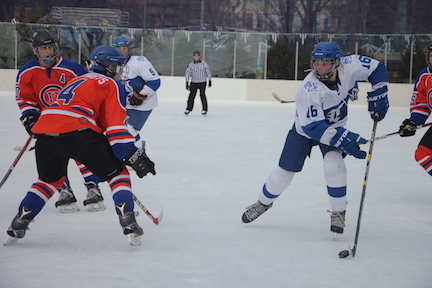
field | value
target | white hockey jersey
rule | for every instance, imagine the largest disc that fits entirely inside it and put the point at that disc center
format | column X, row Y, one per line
column 141, row 66
column 320, row 110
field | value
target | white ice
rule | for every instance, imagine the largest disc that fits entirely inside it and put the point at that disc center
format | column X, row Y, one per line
column 208, row 170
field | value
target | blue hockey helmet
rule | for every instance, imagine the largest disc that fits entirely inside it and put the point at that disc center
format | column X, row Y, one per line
column 121, row 41
column 106, row 60
column 326, row 51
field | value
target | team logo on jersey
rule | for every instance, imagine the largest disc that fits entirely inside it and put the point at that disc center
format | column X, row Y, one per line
column 311, row 86
column 83, row 120
column 346, row 60
column 336, row 113
column 48, row 94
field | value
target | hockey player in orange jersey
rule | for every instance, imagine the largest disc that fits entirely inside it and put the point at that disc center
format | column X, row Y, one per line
column 420, row 110
column 37, row 85
column 87, row 122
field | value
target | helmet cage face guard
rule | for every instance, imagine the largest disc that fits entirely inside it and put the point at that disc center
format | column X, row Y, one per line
column 327, row 75
column 47, row 59
column 111, row 69
column 326, row 51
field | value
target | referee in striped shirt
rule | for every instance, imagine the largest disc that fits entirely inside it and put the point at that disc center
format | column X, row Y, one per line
column 198, row 72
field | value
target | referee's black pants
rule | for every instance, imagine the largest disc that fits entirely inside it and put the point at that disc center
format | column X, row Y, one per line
column 193, row 90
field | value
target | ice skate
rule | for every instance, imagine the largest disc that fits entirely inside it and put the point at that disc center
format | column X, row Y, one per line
column 18, row 227
column 94, row 201
column 130, row 227
column 67, row 200
column 254, row 211
column 204, row 113
column 187, row 112
column 337, row 222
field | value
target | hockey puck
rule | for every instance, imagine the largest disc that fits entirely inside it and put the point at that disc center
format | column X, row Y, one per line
column 343, row 254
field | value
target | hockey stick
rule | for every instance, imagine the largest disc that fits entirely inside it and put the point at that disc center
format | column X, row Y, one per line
column 352, row 251
column 397, row 132
column 16, row 160
column 19, row 148
column 280, row 100
column 155, row 220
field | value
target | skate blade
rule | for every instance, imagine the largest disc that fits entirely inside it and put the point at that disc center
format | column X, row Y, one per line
column 134, row 239
column 69, row 208
column 10, row 240
column 335, row 235
column 94, row 207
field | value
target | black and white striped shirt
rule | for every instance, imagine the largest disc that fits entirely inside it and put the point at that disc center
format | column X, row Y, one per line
column 198, row 72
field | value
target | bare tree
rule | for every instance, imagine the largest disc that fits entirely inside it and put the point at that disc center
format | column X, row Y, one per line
column 308, row 11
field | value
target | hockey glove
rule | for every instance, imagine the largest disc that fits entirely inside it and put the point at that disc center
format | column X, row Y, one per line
column 349, row 142
column 136, row 98
column 187, row 86
column 139, row 161
column 378, row 103
column 408, row 128
column 209, row 84
column 28, row 120
column 353, row 94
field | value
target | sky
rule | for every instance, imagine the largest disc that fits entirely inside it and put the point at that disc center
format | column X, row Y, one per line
column 209, row 169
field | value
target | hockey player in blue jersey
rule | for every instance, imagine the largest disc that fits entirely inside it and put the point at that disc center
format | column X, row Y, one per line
column 321, row 116
column 141, row 102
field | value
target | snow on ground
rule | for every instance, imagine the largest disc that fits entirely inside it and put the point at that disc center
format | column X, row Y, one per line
column 208, row 170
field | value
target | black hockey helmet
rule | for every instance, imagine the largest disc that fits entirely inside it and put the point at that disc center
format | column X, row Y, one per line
column 196, row 53
column 41, row 38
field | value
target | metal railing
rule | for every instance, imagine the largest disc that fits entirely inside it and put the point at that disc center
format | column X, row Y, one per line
column 229, row 54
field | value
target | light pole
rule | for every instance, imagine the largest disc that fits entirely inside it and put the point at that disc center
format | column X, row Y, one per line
column 234, row 4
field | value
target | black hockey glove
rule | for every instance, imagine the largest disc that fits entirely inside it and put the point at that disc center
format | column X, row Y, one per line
column 28, row 120
column 408, row 128
column 209, row 84
column 139, row 161
column 136, row 98
column 187, row 86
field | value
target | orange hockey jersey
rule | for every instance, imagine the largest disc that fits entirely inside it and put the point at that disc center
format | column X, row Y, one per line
column 37, row 86
column 92, row 101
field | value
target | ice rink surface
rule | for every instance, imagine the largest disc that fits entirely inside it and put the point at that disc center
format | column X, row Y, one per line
column 208, row 170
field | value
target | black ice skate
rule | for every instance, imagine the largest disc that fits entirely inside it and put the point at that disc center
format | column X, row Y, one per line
column 254, row 211
column 129, row 224
column 67, row 200
column 337, row 222
column 94, row 201
column 18, row 227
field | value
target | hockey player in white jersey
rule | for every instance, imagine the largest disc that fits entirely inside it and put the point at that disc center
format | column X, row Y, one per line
column 321, row 116
column 142, row 101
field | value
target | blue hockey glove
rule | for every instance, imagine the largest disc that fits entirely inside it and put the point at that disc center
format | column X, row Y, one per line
column 378, row 103
column 349, row 142
column 28, row 120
